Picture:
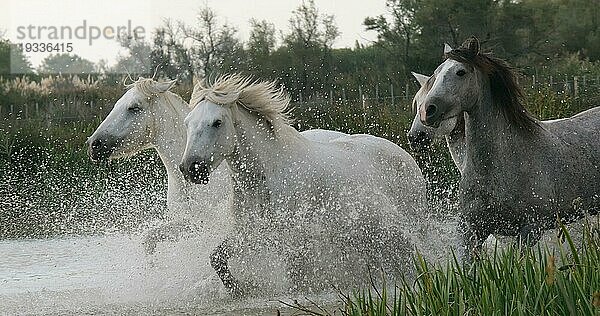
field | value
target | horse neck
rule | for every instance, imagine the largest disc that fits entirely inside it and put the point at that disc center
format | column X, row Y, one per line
column 170, row 141
column 457, row 145
column 258, row 154
column 490, row 139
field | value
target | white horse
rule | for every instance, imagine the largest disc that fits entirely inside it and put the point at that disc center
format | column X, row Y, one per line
column 518, row 174
column 148, row 115
column 335, row 209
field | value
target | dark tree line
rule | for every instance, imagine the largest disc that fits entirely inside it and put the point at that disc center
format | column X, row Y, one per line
column 542, row 37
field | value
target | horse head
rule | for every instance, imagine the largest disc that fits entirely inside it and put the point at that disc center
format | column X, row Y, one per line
column 467, row 80
column 210, row 132
column 214, row 124
column 421, row 136
column 454, row 88
column 132, row 123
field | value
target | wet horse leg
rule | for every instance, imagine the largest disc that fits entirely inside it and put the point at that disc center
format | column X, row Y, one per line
column 473, row 237
column 529, row 235
column 218, row 261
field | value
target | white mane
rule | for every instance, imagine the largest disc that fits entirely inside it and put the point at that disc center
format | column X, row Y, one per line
column 262, row 97
column 148, row 87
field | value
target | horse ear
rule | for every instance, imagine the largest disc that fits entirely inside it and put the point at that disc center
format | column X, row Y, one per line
column 422, row 79
column 472, row 45
column 165, row 86
column 447, row 48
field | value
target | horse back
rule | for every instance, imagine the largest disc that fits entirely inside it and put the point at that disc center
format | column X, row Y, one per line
column 580, row 136
column 389, row 162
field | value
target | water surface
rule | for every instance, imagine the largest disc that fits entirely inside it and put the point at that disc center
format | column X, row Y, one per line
column 112, row 275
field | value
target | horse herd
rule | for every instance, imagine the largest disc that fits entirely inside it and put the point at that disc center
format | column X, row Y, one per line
column 332, row 208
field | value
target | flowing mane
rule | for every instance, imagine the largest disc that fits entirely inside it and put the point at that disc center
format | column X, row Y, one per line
column 148, row 88
column 506, row 92
column 262, row 97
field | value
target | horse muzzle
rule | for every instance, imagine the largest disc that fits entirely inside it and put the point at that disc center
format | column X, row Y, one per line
column 432, row 116
column 196, row 171
column 432, row 111
column 100, row 149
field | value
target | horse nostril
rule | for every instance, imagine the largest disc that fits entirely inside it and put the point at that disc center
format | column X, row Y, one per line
column 97, row 143
column 193, row 168
column 196, row 166
column 196, row 171
column 431, row 110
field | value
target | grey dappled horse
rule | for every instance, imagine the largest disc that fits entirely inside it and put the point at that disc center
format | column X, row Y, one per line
column 519, row 174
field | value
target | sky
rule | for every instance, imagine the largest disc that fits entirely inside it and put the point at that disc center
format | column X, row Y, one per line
column 16, row 17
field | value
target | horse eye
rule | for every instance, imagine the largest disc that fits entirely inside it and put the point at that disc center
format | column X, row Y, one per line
column 217, row 123
column 461, row 73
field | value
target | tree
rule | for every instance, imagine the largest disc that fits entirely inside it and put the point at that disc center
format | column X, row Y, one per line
column 260, row 47
column 215, row 45
column 415, row 30
column 138, row 60
column 311, row 29
column 12, row 60
column 578, row 26
column 65, row 64
column 170, row 55
column 398, row 35
column 309, row 42
column 262, row 39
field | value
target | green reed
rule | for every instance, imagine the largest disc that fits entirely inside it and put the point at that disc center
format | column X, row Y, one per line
column 509, row 281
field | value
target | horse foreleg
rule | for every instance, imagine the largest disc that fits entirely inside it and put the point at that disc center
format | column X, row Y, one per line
column 472, row 241
column 530, row 235
column 218, row 261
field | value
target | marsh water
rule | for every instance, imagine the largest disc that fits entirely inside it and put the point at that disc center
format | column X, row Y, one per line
column 112, row 274
column 72, row 245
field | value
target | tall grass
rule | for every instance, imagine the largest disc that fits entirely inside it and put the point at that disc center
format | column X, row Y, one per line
column 508, row 281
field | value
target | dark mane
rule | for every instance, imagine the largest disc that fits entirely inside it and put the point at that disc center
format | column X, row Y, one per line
column 506, row 93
